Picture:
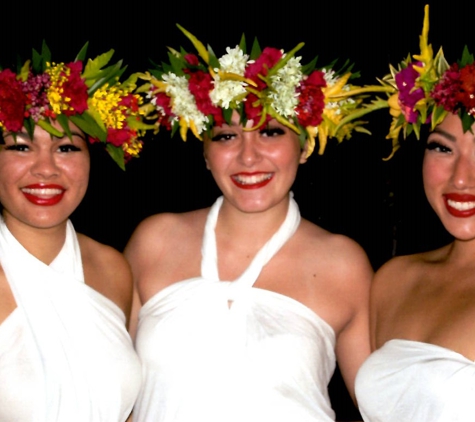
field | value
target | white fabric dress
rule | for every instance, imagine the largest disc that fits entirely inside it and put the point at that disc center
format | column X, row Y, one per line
column 223, row 351
column 410, row 381
column 65, row 355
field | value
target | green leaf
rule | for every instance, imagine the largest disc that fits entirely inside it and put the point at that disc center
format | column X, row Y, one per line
column 227, row 114
column 117, row 155
column 256, row 50
column 88, row 125
column 49, row 128
column 94, row 66
column 29, row 125
column 36, row 62
column 467, row 58
column 64, row 123
column 46, row 54
column 242, row 44
column 467, row 121
column 81, row 56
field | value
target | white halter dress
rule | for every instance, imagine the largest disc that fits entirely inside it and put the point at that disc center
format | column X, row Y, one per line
column 411, row 381
column 65, row 355
column 223, row 351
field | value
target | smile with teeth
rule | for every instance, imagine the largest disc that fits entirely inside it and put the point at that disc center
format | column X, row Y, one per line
column 461, row 206
column 42, row 192
column 251, row 179
column 43, row 195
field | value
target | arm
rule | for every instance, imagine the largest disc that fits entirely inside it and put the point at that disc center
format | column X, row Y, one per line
column 353, row 341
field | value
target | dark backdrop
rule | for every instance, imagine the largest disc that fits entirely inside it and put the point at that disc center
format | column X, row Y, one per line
column 349, row 190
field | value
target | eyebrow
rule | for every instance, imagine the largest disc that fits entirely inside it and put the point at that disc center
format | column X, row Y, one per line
column 25, row 135
column 445, row 134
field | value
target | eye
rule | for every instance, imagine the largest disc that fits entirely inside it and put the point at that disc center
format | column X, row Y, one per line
column 438, row 147
column 225, row 136
column 17, row 147
column 271, row 132
column 68, row 148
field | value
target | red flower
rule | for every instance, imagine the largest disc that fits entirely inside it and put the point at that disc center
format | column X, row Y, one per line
column 12, row 101
column 447, row 92
column 118, row 137
column 200, row 84
column 162, row 102
column 267, row 60
column 192, row 59
column 311, row 99
column 467, row 85
column 75, row 88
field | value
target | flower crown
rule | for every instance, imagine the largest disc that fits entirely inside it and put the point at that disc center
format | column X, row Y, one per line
column 194, row 94
column 423, row 91
column 91, row 98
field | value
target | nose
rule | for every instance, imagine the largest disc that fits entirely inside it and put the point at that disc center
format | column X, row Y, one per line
column 249, row 153
column 463, row 175
column 45, row 165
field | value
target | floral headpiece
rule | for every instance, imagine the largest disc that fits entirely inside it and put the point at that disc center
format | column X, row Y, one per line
column 189, row 93
column 423, row 91
column 91, row 97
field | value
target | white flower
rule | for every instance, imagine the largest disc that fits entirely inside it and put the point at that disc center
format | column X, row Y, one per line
column 226, row 90
column 183, row 102
column 284, row 84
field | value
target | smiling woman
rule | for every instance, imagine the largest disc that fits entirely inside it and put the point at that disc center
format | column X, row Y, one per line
column 247, row 306
column 64, row 298
column 423, row 305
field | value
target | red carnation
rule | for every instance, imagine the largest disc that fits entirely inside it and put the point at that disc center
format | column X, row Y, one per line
column 467, row 84
column 162, row 102
column 253, row 110
column 192, row 59
column 267, row 60
column 12, row 101
column 75, row 88
column 311, row 99
column 118, row 137
column 447, row 92
column 200, row 84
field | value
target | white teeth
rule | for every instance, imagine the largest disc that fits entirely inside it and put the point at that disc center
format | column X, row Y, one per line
column 461, row 206
column 251, row 180
column 41, row 192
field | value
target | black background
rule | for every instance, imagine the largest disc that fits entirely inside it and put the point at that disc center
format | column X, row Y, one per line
column 349, row 190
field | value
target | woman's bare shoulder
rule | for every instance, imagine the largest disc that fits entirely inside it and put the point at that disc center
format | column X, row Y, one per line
column 335, row 249
column 160, row 230
column 107, row 271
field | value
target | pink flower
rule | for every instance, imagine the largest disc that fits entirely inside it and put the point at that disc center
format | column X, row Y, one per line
column 311, row 99
column 408, row 96
column 13, row 101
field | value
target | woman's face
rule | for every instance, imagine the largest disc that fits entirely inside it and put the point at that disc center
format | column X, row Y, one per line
column 449, row 176
column 253, row 169
column 42, row 180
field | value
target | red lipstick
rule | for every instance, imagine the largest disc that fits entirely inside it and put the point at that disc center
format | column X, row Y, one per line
column 459, row 205
column 43, row 195
column 254, row 180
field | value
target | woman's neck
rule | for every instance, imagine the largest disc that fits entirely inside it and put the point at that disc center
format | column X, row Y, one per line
column 43, row 243
column 254, row 227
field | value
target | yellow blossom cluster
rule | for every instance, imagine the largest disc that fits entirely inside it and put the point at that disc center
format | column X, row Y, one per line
column 58, row 74
column 106, row 102
column 133, row 147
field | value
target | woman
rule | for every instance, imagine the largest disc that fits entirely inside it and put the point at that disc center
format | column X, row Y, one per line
column 245, row 303
column 65, row 352
column 423, row 308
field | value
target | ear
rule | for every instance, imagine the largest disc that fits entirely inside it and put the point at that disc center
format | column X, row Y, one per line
column 303, row 153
